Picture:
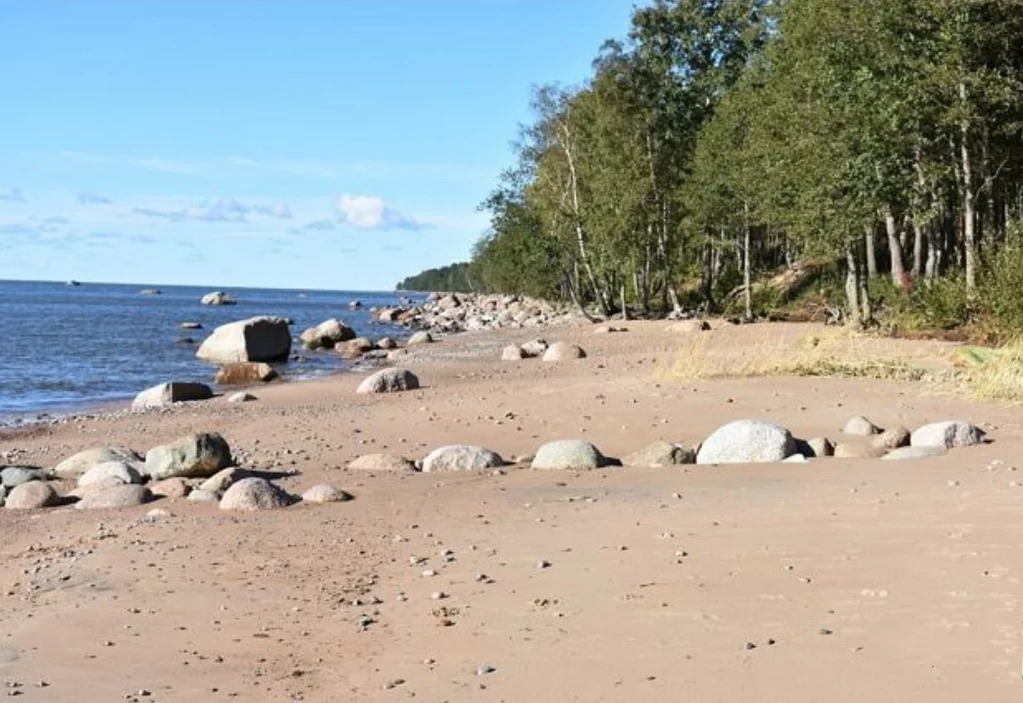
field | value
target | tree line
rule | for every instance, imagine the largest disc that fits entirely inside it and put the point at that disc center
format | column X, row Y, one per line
column 723, row 139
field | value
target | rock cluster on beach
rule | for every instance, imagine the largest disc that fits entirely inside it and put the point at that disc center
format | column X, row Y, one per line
column 466, row 312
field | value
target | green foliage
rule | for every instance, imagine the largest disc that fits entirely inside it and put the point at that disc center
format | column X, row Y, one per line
column 453, row 278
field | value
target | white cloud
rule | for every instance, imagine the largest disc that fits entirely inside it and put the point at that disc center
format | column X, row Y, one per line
column 89, row 198
column 372, row 213
column 12, row 195
column 223, row 210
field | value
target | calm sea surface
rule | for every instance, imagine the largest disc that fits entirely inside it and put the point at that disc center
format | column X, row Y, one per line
column 64, row 347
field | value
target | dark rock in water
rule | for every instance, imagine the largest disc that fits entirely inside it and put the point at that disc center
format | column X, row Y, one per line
column 191, row 326
column 185, row 340
column 150, row 291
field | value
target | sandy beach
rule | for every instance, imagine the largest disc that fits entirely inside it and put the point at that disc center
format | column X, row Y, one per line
column 836, row 580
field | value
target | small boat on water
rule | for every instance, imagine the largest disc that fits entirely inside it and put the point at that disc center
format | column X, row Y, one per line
column 73, row 282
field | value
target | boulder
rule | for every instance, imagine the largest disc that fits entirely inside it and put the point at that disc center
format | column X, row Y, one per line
column 241, row 397
column 171, row 488
column 891, row 439
column 192, row 456
column 747, row 441
column 689, row 326
column 123, row 496
column 421, row 337
column 563, row 351
column 816, row 447
column 860, row 426
column 32, row 496
column 254, row 339
column 217, row 297
column 948, row 434
column 863, row 449
column 512, row 352
column 254, row 494
column 11, row 476
column 535, row 347
column 201, row 496
column 389, row 381
column 920, row 452
column 110, row 472
column 386, row 343
column 354, row 348
column 661, row 453
column 461, row 457
column 244, row 372
column 327, row 334
column 568, row 454
column 173, row 392
column 77, row 464
column 222, row 480
column 324, row 493
column 381, row 462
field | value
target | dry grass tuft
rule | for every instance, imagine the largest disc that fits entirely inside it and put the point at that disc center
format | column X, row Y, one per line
column 991, row 374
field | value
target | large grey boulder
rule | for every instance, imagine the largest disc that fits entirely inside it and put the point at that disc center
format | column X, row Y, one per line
column 11, row 476
column 32, row 496
column 172, row 392
column 920, row 452
column 254, row 494
column 948, row 434
column 747, row 441
column 563, row 351
column 660, row 453
column 381, row 462
column 254, row 339
column 217, row 297
column 123, row 496
column 568, row 454
column 77, row 464
column 461, row 457
column 110, row 472
column 389, row 381
column 327, row 334
column 192, row 456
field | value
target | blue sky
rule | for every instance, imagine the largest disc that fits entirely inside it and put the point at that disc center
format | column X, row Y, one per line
column 294, row 143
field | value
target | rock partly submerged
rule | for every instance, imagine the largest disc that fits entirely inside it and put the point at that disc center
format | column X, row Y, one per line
column 254, row 339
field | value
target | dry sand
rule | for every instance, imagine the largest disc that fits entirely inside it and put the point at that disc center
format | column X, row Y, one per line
column 836, row 580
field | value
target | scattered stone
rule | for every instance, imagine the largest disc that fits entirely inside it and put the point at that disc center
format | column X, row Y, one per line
column 689, row 326
column 513, row 352
column 192, row 456
column 795, row 459
column 922, row 452
column 858, row 450
column 381, row 462
column 77, row 464
column 241, row 397
column 421, row 337
column 389, row 381
column 245, row 372
column 173, row 392
column 563, row 351
column 11, row 476
column 484, row 669
column 747, row 441
column 110, row 472
column 461, row 457
column 535, row 347
column 222, row 480
column 817, row 447
column 568, row 454
column 254, row 494
column 949, row 434
column 254, row 339
column 860, row 426
column 542, row 564
column 324, row 493
column 171, row 488
column 354, row 348
column 661, row 453
column 123, row 496
column 201, row 496
column 32, row 495
column 892, row 439
column 386, row 343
